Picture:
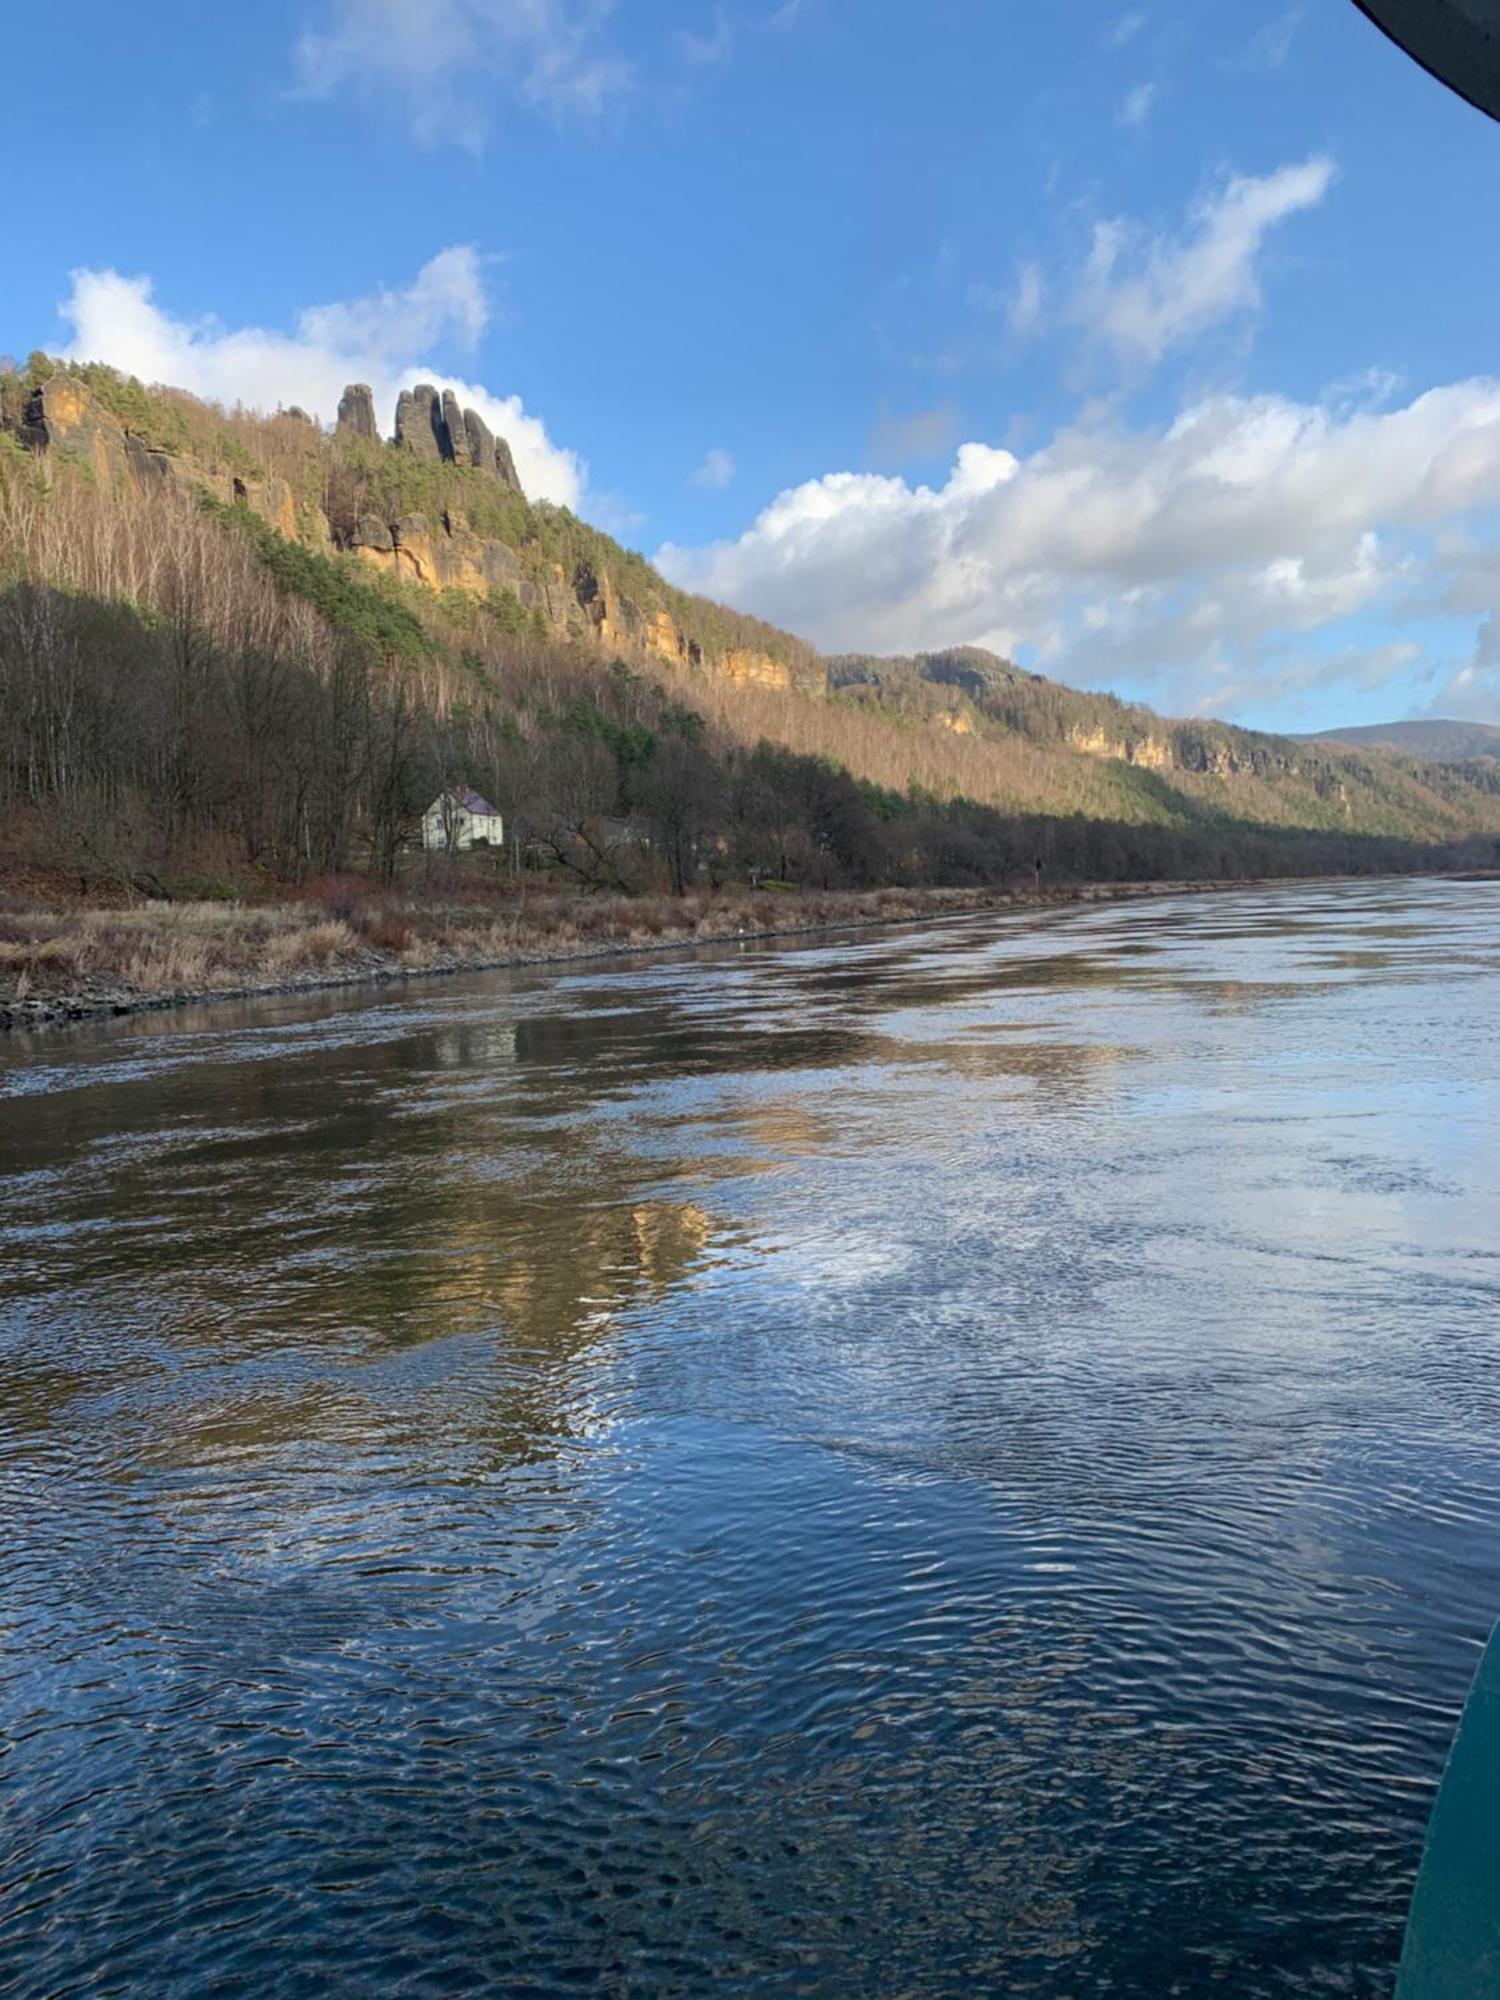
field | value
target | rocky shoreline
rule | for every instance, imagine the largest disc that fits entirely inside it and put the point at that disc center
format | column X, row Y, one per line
column 107, row 997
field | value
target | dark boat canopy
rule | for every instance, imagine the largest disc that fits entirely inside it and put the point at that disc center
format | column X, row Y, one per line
column 1457, row 40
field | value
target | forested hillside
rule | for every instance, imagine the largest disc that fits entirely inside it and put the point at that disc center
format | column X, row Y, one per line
column 240, row 650
column 1433, row 738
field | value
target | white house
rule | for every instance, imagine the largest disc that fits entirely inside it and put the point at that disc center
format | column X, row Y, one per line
column 460, row 818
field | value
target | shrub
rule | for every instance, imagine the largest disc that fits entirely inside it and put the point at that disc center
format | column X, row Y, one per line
column 384, row 930
column 204, row 889
column 304, row 950
column 340, row 895
column 170, row 964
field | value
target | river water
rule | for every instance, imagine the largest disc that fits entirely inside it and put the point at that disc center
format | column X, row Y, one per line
column 927, row 1462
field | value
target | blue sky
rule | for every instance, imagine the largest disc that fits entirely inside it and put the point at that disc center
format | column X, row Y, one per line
column 1154, row 344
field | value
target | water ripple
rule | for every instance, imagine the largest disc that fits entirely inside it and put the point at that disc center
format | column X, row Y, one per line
column 939, row 1462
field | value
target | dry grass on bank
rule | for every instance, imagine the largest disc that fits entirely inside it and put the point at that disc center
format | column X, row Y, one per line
column 159, row 950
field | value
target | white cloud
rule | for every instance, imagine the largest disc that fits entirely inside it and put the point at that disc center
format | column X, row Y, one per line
column 1137, row 106
column 1145, row 294
column 1270, row 46
column 1125, row 29
column 1024, row 306
column 1210, row 555
column 1467, row 585
column 1141, row 293
column 379, row 340
column 445, row 61
column 1473, row 693
column 715, row 472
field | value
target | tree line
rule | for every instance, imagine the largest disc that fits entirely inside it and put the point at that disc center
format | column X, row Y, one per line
column 176, row 714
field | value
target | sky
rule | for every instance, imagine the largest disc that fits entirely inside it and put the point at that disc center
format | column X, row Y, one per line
column 1155, row 346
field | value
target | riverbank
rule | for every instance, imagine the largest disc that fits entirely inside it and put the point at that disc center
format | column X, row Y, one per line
column 58, row 966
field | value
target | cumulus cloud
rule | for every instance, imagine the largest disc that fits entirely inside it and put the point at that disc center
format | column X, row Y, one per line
column 1466, row 585
column 447, row 299
column 1144, row 294
column 444, row 62
column 715, row 472
column 380, row 339
column 1210, row 555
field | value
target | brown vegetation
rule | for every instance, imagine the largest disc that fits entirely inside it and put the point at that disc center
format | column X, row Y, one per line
column 70, row 963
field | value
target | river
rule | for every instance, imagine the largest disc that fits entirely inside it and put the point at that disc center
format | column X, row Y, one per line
column 920, row 1462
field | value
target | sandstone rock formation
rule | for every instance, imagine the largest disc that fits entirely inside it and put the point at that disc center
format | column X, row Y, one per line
column 433, row 425
column 481, row 441
column 453, row 438
column 62, row 417
column 505, row 465
column 418, row 415
column 370, row 532
column 357, row 413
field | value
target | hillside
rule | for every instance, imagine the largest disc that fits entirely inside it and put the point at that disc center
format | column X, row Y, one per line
column 1115, row 758
column 233, row 642
column 422, row 508
column 1435, row 739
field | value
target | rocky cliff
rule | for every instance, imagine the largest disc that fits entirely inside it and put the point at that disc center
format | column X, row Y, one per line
column 966, row 685
column 439, row 505
column 64, row 423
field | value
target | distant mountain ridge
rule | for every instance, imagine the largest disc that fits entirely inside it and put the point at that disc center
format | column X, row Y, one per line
column 1439, row 739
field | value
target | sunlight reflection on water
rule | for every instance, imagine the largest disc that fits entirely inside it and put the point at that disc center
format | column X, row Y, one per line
column 919, row 1461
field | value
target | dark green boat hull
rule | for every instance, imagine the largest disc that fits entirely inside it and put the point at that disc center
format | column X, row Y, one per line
column 1452, row 1949
column 1458, row 41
